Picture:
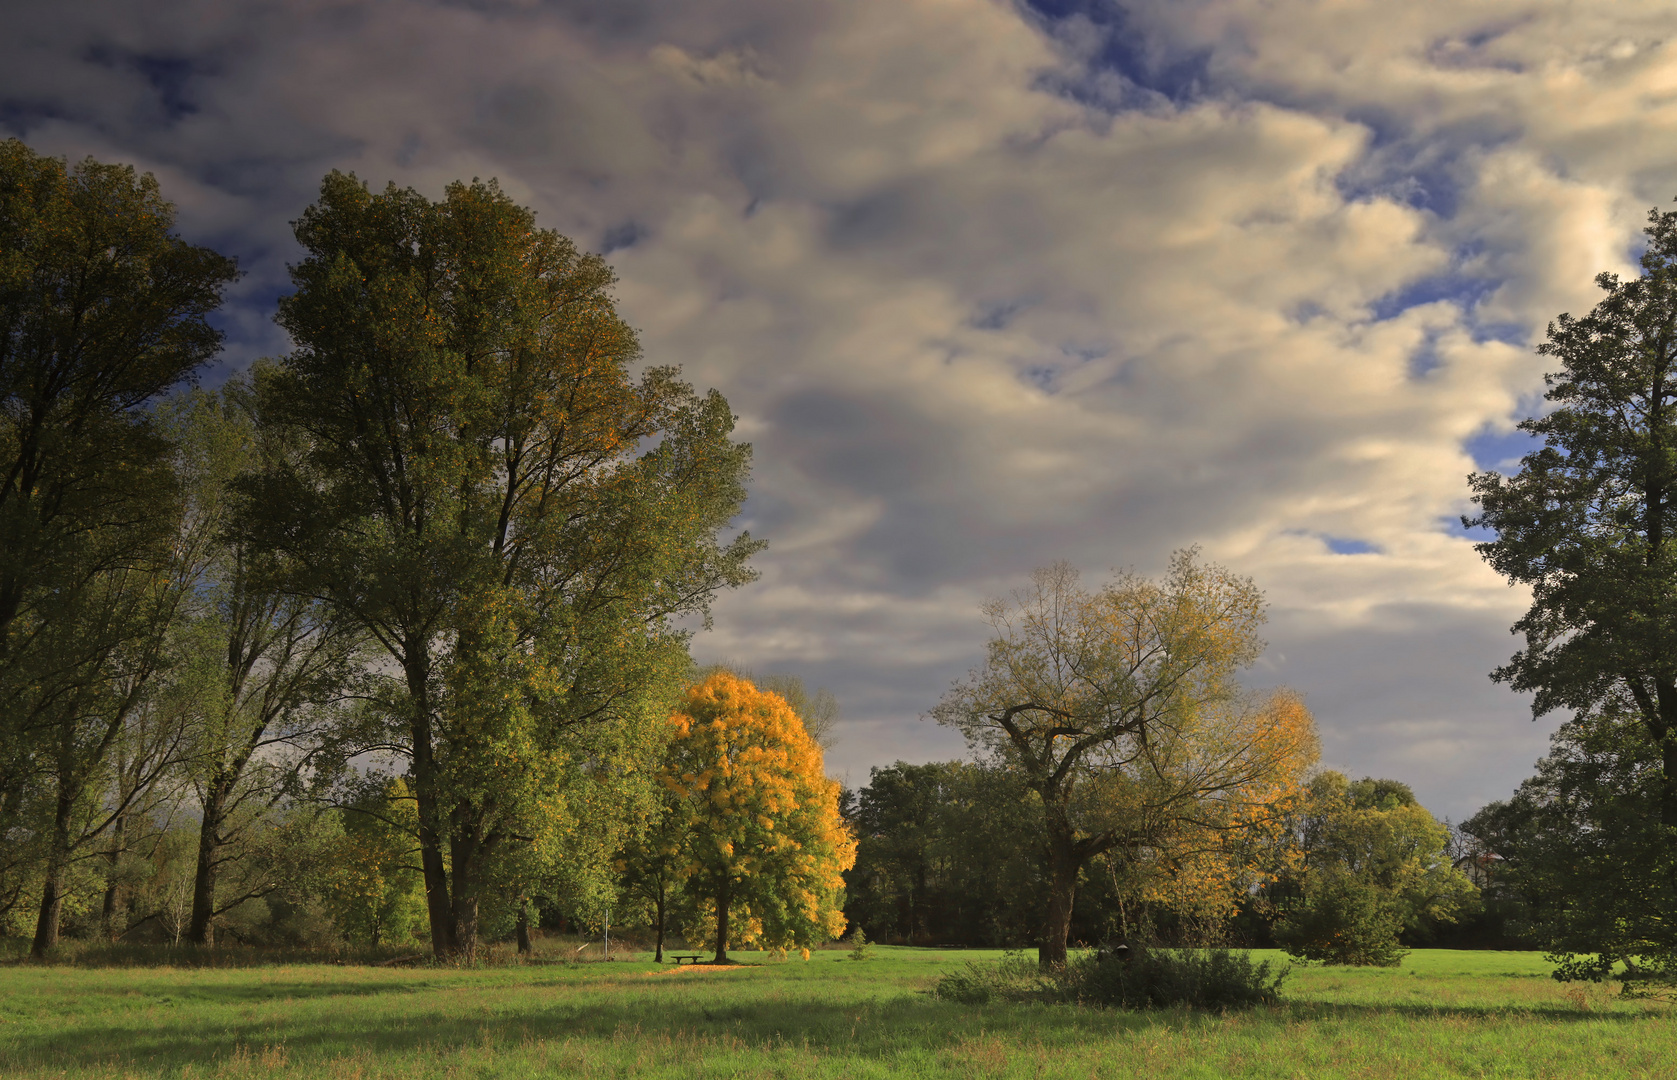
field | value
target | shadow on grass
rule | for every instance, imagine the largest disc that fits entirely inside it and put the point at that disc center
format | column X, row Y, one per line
column 644, row 1013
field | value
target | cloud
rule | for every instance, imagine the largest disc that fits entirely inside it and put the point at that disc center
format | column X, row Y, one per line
column 990, row 287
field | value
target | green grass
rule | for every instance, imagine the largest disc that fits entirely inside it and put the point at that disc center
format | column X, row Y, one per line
column 1443, row 1014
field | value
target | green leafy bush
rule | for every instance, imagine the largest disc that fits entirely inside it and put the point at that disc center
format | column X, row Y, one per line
column 1144, row 979
column 1163, row 978
column 1013, row 978
column 1343, row 921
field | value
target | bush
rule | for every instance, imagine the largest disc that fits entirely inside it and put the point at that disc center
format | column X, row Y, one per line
column 1013, row 978
column 1162, row 978
column 1343, row 922
column 1141, row 979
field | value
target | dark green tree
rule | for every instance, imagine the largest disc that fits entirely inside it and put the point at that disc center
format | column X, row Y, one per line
column 102, row 309
column 1590, row 870
column 1589, row 523
column 264, row 668
column 1375, row 863
column 513, row 517
column 948, row 853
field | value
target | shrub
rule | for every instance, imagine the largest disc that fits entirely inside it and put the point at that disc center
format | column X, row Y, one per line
column 1162, row 978
column 1013, row 978
column 1343, row 921
column 1143, row 979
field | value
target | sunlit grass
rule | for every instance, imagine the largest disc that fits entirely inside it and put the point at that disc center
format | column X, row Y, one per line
column 1442, row 1014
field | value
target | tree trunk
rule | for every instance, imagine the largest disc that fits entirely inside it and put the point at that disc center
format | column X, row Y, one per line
column 1062, row 890
column 1668, row 779
column 113, row 897
column 1663, row 727
column 523, row 929
column 724, row 895
column 465, row 920
column 438, row 909
column 201, row 931
column 58, row 859
column 658, row 956
column 466, row 855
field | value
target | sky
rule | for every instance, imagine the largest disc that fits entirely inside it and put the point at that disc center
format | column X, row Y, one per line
column 992, row 284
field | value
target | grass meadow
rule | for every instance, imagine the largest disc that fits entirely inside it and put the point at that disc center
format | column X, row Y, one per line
column 1442, row 1014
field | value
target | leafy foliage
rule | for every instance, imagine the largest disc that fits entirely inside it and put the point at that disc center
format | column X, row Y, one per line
column 1597, row 872
column 757, row 818
column 368, row 875
column 1589, row 523
column 946, row 853
column 1374, row 862
column 1147, row 978
column 1119, row 709
column 1139, row 978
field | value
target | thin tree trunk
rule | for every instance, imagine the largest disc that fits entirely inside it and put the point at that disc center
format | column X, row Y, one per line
column 724, row 895
column 524, row 948
column 1663, row 727
column 107, row 913
column 438, row 908
column 58, row 858
column 201, row 931
column 658, row 957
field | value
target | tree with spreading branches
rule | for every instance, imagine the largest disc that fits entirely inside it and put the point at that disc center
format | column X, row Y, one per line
column 1119, row 709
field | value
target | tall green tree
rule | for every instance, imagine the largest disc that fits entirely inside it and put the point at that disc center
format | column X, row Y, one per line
column 511, row 515
column 1589, row 522
column 265, row 668
column 102, row 309
column 1592, row 874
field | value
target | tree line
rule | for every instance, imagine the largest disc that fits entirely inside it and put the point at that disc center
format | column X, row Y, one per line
column 452, row 531
column 386, row 637
column 1125, row 786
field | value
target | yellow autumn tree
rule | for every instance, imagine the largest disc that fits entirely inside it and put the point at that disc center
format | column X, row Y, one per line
column 1216, row 817
column 757, row 818
column 1120, row 710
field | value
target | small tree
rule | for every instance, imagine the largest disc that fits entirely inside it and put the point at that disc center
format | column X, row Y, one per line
column 759, row 820
column 1375, row 863
column 369, row 877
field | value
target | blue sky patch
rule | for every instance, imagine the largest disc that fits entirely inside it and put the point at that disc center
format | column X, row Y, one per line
column 1500, row 451
column 1345, row 545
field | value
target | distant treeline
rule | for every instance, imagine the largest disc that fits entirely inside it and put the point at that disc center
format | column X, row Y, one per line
column 950, row 853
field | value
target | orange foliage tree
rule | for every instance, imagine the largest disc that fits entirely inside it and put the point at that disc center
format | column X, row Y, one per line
column 1119, row 709
column 756, row 818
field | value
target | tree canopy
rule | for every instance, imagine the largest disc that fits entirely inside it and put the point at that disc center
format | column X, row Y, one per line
column 1119, row 708
column 1589, row 522
column 757, row 818
column 102, row 309
column 1373, row 863
column 490, row 494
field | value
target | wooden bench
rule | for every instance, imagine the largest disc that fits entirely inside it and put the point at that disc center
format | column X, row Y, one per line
column 685, row 958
